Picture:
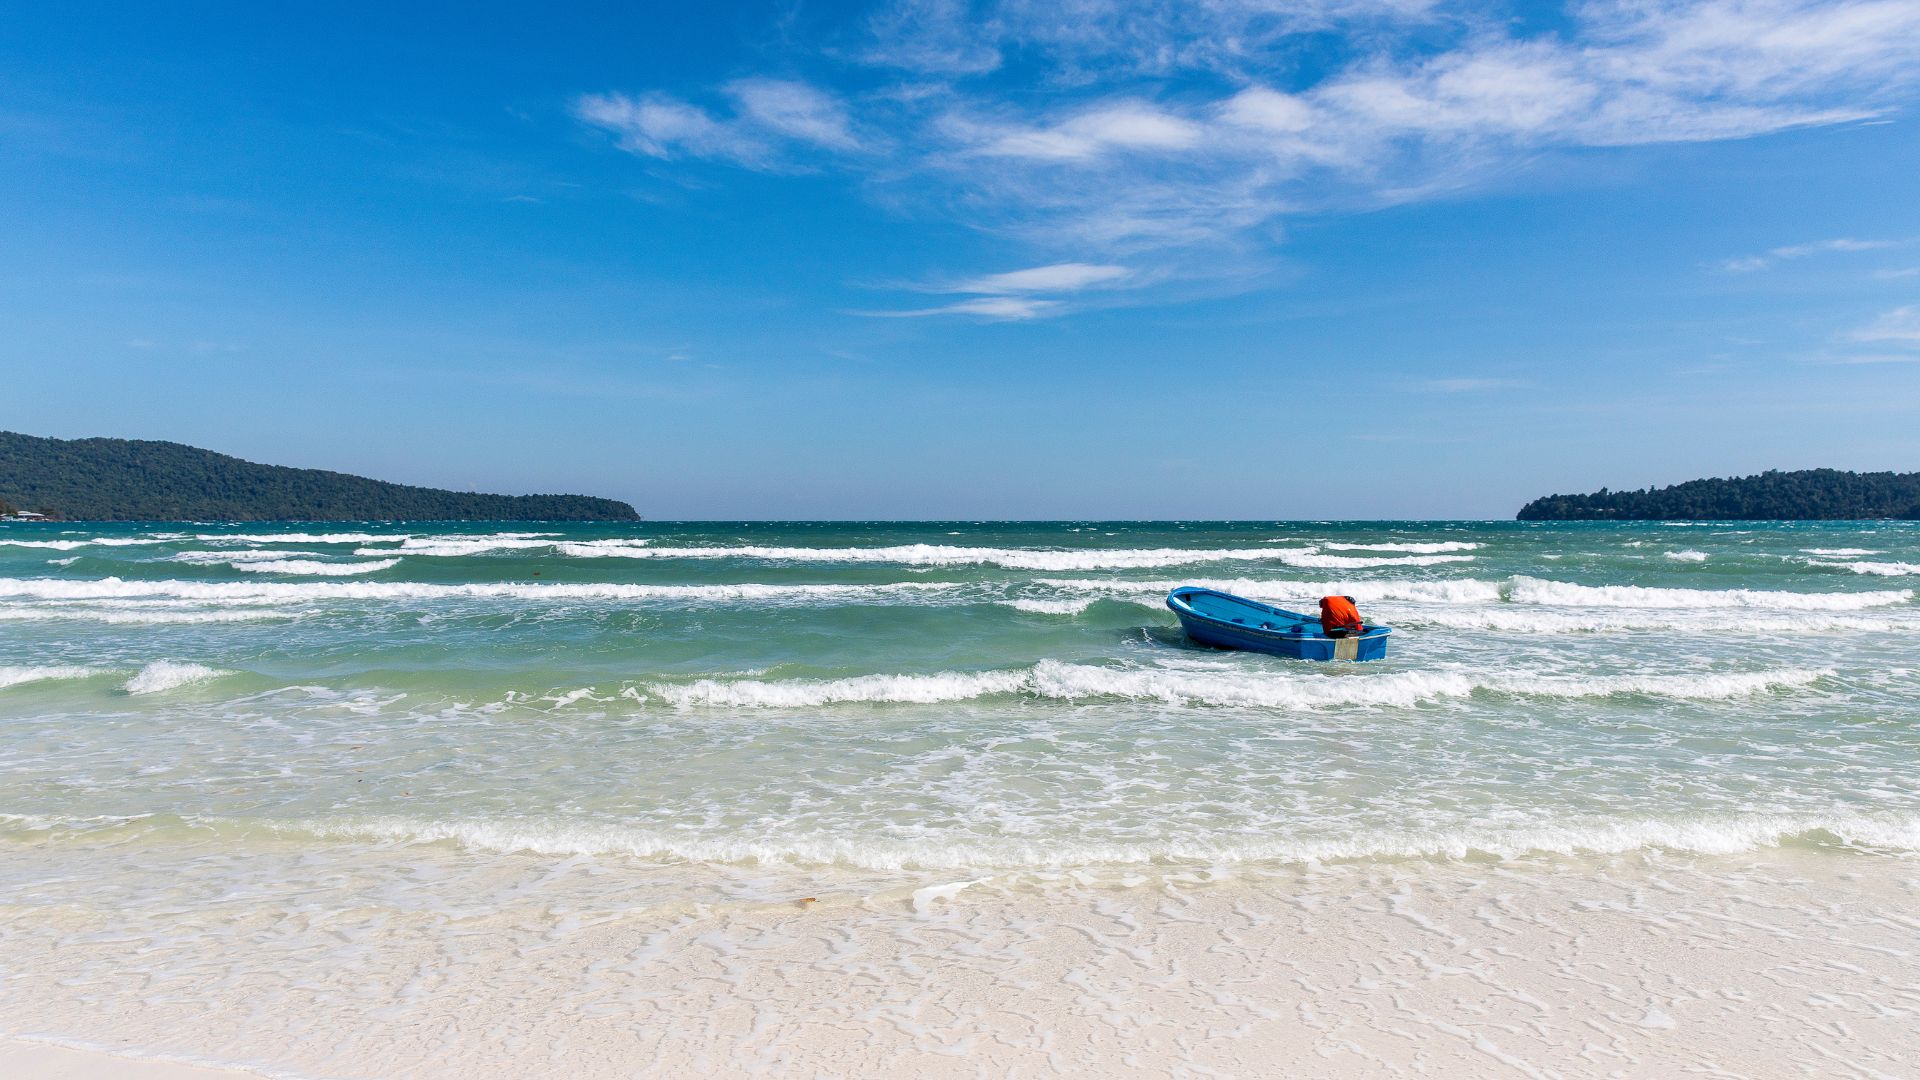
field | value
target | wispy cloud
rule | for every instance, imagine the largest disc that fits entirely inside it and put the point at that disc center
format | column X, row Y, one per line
column 1107, row 129
column 1466, row 385
column 1750, row 263
column 1013, row 294
column 770, row 118
column 1059, row 277
column 1901, row 326
column 989, row 307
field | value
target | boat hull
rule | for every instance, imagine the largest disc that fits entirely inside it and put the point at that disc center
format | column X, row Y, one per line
column 1225, row 621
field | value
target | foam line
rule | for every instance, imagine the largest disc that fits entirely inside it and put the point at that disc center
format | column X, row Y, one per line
column 1052, row 679
column 925, row 554
column 114, row 588
column 1713, row 835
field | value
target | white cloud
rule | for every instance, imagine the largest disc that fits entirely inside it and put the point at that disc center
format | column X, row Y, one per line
column 1467, row 385
column 992, row 307
column 1117, row 125
column 1750, row 263
column 770, row 116
column 795, row 110
column 1901, row 326
column 1059, row 277
column 1112, row 128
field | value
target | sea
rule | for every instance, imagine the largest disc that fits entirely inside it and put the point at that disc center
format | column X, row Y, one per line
column 959, row 798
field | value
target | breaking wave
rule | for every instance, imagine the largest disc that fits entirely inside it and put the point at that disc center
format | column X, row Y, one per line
column 314, row 567
column 1050, row 607
column 1878, row 569
column 1069, row 682
column 1424, row 549
column 1526, row 590
column 307, row 591
column 164, row 675
column 921, row 554
column 16, row 676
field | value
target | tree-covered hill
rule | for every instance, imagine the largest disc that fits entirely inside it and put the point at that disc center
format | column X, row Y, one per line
column 138, row 480
column 1804, row 495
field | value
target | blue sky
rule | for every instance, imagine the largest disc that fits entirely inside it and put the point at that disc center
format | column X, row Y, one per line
column 1325, row 258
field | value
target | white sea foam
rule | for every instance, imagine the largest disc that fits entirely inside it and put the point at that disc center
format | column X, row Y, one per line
column 314, row 567
column 95, row 541
column 1526, row 590
column 1878, row 569
column 1720, row 834
column 137, row 616
column 1050, row 607
column 306, row 538
column 15, row 676
column 1060, row 681
column 275, row 561
column 164, row 675
column 1841, row 552
column 1424, row 549
column 231, row 558
column 1456, row 591
column 461, row 546
column 249, row 592
column 1687, row 556
column 926, row 554
column 1512, row 618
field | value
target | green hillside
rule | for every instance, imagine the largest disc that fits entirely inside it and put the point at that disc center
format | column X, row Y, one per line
column 1805, row 495
column 138, row 480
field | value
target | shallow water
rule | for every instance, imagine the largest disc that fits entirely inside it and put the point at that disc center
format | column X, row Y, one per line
column 202, row 727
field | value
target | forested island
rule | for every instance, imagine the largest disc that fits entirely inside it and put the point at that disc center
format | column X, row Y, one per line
column 140, row 480
column 1802, row 495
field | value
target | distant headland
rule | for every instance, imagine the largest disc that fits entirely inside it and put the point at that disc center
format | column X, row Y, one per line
column 139, row 480
column 1802, row 495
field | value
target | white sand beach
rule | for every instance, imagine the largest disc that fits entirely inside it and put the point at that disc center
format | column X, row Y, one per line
column 1771, row 965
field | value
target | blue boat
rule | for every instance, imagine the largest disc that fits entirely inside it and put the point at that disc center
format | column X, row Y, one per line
column 1234, row 622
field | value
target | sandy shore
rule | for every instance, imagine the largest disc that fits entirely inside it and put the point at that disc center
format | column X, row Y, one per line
column 1760, row 966
column 46, row 1061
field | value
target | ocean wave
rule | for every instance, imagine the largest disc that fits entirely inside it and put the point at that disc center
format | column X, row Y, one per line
column 1454, row 591
column 929, row 554
column 304, row 538
column 249, row 592
column 1724, row 834
column 460, row 546
column 1687, row 556
column 163, row 675
column 1510, row 618
column 1055, row 680
column 16, row 676
column 1050, row 607
column 103, row 541
column 1842, row 552
column 283, row 562
column 1526, row 590
column 138, row 616
column 1423, row 549
column 1878, row 569
column 314, row 567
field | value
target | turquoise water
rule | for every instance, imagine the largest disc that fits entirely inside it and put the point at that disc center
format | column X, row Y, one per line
column 717, row 704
